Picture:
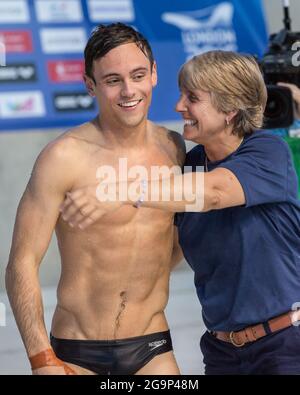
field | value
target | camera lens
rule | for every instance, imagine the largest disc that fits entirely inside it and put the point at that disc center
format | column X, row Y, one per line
column 279, row 108
column 276, row 105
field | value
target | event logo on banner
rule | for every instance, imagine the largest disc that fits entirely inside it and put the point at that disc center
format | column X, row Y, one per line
column 205, row 29
column 57, row 11
column 22, row 104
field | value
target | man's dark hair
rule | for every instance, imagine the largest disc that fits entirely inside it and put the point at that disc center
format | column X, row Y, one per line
column 106, row 37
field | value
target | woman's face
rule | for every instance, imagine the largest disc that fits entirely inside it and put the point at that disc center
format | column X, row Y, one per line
column 202, row 121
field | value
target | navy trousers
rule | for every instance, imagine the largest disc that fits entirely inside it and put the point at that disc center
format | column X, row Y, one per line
column 274, row 354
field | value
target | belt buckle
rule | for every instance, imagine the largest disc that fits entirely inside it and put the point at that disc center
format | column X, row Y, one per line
column 233, row 341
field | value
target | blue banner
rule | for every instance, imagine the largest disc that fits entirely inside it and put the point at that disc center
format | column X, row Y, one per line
column 42, row 43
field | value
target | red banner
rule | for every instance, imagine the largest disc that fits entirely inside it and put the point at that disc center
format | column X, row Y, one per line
column 16, row 41
column 65, row 70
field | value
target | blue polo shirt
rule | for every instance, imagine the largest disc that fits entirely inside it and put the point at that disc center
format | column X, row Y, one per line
column 246, row 259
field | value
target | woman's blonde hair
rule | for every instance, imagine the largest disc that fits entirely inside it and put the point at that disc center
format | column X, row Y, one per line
column 235, row 83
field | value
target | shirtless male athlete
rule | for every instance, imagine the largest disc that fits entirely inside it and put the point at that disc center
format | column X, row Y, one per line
column 113, row 289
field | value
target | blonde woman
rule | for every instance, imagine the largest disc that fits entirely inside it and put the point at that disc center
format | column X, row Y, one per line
column 243, row 242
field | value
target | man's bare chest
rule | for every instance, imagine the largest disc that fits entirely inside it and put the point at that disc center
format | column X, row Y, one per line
column 112, row 166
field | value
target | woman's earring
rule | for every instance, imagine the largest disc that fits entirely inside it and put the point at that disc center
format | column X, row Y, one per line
column 227, row 121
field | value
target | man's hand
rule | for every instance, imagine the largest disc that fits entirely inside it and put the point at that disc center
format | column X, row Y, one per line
column 84, row 206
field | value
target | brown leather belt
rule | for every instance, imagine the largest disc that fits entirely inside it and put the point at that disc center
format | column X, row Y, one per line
column 252, row 333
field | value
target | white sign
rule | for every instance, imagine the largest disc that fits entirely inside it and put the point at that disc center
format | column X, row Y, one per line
column 22, row 104
column 14, row 11
column 64, row 40
column 111, row 10
column 58, row 11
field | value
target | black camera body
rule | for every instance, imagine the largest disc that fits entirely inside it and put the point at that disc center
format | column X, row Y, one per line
column 278, row 65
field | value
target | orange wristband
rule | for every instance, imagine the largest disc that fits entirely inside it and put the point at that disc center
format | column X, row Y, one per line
column 48, row 358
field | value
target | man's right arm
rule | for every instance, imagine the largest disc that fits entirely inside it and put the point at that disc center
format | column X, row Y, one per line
column 36, row 217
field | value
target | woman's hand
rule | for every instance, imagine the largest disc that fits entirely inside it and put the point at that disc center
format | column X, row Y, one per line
column 84, row 206
column 296, row 95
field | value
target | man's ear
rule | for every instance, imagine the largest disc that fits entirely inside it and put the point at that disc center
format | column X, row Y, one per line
column 90, row 85
column 154, row 74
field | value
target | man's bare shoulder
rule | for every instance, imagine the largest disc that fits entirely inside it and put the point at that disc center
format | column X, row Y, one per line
column 68, row 146
column 173, row 140
column 58, row 151
column 61, row 159
column 87, row 133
